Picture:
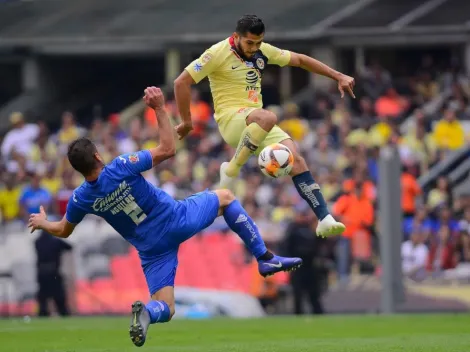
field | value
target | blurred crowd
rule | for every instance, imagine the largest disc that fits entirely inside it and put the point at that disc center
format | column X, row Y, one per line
column 340, row 139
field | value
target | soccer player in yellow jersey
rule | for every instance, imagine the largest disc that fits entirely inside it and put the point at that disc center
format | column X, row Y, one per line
column 234, row 67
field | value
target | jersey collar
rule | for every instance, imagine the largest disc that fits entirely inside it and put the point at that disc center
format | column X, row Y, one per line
column 234, row 49
column 96, row 181
column 258, row 61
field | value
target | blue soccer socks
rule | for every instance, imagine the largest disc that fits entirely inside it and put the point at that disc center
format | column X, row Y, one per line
column 241, row 223
column 159, row 312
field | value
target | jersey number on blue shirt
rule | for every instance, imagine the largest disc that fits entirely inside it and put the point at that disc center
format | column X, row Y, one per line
column 135, row 212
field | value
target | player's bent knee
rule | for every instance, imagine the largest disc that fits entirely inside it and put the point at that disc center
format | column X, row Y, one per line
column 225, row 197
column 264, row 118
column 270, row 118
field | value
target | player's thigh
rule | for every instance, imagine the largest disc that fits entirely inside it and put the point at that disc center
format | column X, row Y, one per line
column 276, row 135
column 194, row 214
column 226, row 197
column 160, row 271
column 232, row 122
column 264, row 118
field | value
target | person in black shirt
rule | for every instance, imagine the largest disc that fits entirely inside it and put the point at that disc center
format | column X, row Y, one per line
column 49, row 250
column 302, row 242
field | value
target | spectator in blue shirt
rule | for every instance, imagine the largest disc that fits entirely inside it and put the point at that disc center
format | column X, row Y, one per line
column 34, row 196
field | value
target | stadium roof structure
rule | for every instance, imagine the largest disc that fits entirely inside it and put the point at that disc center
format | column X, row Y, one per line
column 151, row 25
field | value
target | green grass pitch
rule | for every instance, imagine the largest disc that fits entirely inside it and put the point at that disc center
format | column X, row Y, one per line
column 410, row 333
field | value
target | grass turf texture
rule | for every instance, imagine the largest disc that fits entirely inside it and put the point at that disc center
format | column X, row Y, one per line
column 410, row 333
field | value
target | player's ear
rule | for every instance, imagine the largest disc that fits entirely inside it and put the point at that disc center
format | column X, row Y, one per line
column 236, row 36
column 98, row 157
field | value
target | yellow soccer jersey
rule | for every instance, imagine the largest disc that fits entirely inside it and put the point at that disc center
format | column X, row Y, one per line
column 234, row 82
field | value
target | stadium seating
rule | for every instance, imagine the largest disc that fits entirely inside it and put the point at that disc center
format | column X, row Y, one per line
column 109, row 272
column 46, row 19
column 451, row 12
column 379, row 13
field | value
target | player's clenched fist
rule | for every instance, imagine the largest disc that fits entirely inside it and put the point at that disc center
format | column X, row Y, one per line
column 346, row 83
column 154, row 97
column 183, row 129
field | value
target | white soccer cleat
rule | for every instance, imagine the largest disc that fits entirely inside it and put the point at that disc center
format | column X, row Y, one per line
column 330, row 227
column 226, row 182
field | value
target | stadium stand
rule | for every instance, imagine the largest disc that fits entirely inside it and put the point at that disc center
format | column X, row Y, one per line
column 49, row 18
column 51, row 21
column 114, row 275
column 378, row 14
column 341, row 153
column 340, row 139
column 451, row 12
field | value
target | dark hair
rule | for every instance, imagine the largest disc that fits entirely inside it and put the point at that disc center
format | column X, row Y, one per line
column 250, row 24
column 81, row 154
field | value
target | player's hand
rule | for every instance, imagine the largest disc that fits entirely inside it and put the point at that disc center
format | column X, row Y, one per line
column 36, row 220
column 154, row 97
column 183, row 129
column 346, row 84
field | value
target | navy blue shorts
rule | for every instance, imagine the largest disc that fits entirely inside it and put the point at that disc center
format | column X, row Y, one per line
column 192, row 215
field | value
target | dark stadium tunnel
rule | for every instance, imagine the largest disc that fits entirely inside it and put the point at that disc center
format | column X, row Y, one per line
column 98, row 84
column 10, row 81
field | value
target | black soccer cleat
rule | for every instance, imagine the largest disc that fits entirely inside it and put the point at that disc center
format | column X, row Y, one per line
column 140, row 322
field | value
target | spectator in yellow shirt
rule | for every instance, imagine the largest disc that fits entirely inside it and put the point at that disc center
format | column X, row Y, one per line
column 426, row 87
column 448, row 132
column 9, row 199
column 51, row 181
column 68, row 132
column 292, row 123
column 381, row 131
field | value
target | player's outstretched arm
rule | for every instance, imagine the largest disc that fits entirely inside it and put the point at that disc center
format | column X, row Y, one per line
column 62, row 228
column 345, row 82
column 182, row 90
column 166, row 148
column 196, row 71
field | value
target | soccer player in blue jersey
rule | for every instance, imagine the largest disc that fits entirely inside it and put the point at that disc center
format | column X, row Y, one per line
column 148, row 218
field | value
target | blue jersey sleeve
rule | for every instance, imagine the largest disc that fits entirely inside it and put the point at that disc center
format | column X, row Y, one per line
column 74, row 214
column 136, row 163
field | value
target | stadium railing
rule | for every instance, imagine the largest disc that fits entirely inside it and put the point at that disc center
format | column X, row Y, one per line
column 455, row 164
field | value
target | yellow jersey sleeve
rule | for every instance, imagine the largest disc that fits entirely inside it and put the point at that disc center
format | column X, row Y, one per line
column 275, row 55
column 204, row 65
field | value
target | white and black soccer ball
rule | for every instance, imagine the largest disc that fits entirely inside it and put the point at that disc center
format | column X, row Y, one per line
column 276, row 160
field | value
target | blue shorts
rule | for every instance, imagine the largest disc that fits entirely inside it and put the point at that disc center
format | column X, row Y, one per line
column 192, row 215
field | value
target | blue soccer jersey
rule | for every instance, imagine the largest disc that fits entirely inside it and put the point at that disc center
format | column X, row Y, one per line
column 137, row 210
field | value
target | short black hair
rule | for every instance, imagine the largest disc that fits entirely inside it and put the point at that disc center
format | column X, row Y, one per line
column 250, row 24
column 81, row 155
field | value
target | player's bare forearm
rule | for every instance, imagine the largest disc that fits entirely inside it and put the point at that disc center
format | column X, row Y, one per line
column 312, row 65
column 62, row 229
column 167, row 139
column 166, row 148
column 345, row 83
column 55, row 228
column 182, row 90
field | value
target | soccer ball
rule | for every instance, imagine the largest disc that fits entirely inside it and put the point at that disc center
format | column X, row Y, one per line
column 276, row 160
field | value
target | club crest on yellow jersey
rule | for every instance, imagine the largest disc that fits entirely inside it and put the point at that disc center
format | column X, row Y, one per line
column 206, row 58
